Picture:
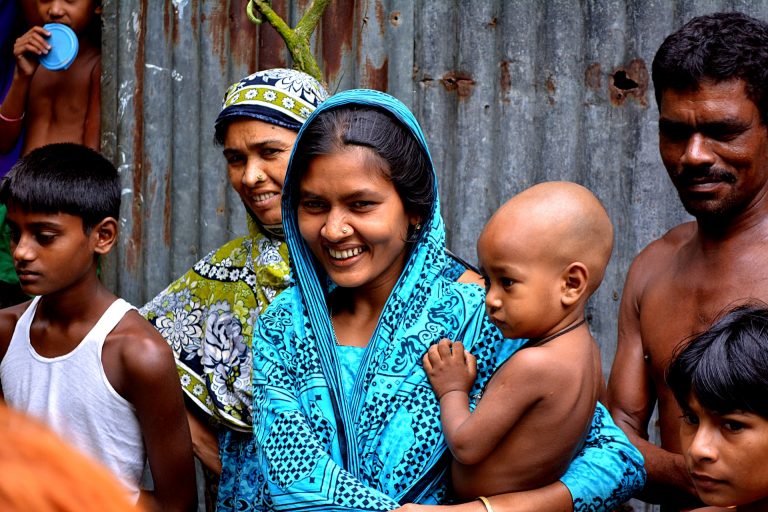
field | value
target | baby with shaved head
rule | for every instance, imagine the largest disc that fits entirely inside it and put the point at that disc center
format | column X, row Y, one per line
column 542, row 255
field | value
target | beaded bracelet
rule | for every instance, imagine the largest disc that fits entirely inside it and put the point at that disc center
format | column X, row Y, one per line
column 11, row 119
column 486, row 503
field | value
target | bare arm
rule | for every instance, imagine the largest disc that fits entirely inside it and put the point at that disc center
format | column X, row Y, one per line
column 472, row 437
column 606, row 473
column 8, row 318
column 153, row 389
column 7, row 323
column 452, row 371
column 26, row 50
column 205, row 443
column 552, row 498
column 632, row 399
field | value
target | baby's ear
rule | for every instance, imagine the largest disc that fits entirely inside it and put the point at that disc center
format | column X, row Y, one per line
column 575, row 281
column 104, row 235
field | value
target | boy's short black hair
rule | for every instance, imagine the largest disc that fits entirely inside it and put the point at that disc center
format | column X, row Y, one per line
column 64, row 178
column 726, row 367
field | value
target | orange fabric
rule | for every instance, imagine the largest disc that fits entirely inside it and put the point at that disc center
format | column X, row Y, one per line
column 41, row 473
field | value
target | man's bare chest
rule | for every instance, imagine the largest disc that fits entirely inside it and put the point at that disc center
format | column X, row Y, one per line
column 683, row 302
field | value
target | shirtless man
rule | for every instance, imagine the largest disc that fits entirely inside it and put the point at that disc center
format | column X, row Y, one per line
column 710, row 79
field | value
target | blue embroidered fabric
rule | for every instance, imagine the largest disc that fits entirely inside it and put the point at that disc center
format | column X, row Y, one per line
column 319, row 448
column 349, row 364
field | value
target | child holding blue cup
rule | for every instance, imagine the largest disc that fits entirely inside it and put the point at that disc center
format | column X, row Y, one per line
column 55, row 92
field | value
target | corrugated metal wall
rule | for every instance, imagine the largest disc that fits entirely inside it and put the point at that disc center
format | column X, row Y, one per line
column 509, row 93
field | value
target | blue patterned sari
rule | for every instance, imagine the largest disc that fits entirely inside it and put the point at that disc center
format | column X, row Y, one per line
column 328, row 441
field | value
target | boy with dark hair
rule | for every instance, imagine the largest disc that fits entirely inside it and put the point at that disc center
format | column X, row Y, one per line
column 720, row 381
column 76, row 356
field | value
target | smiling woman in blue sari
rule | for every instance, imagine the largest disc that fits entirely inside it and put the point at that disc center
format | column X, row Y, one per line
column 344, row 417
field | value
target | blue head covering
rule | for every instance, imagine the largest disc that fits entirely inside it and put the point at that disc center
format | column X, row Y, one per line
column 283, row 97
column 324, row 442
column 378, row 441
column 433, row 234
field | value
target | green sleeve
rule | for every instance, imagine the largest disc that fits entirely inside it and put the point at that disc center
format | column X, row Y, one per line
column 7, row 273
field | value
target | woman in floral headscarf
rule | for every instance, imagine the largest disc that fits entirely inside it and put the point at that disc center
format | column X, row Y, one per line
column 208, row 313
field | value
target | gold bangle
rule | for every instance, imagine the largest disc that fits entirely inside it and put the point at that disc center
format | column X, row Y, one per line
column 11, row 119
column 486, row 503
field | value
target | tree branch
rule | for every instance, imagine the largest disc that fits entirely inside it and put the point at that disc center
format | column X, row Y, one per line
column 311, row 18
column 297, row 40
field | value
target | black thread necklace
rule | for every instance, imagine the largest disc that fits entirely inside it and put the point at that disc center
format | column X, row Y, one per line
column 534, row 342
column 539, row 342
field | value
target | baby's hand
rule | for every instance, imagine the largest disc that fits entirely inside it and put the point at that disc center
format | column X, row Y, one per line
column 450, row 367
column 32, row 43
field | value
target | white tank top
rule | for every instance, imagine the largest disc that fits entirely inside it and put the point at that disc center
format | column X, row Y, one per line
column 72, row 395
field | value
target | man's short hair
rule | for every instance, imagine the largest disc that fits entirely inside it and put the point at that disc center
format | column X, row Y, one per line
column 64, row 178
column 726, row 367
column 716, row 47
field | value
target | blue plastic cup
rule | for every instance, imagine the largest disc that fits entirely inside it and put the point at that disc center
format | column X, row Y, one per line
column 64, row 47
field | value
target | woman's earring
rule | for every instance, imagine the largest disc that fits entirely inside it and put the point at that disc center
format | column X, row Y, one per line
column 417, row 227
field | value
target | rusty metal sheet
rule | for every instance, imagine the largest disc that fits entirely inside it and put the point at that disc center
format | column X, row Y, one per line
column 509, row 93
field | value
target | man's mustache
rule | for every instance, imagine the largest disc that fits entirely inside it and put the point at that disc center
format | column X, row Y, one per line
column 704, row 174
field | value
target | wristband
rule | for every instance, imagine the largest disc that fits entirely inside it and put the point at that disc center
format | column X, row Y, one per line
column 486, row 503
column 11, row 119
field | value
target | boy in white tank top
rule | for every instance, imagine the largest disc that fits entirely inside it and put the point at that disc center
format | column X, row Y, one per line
column 77, row 357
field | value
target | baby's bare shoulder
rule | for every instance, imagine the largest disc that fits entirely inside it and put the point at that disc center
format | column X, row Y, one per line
column 530, row 363
column 561, row 361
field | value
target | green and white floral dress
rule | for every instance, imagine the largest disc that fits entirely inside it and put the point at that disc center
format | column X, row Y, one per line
column 207, row 317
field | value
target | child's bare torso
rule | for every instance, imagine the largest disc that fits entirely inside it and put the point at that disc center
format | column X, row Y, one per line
column 562, row 381
column 59, row 101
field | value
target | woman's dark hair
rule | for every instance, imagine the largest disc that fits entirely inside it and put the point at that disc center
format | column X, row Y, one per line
column 398, row 154
column 726, row 367
column 220, row 132
column 716, row 47
column 64, row 178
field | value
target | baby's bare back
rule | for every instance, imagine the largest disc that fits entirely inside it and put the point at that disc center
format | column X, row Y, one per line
column 560, row 382
column 59, row 102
